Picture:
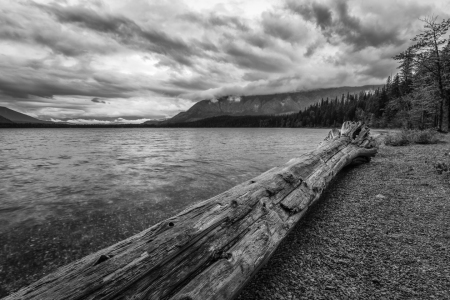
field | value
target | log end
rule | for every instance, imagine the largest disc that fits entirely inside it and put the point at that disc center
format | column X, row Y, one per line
column 359, row 135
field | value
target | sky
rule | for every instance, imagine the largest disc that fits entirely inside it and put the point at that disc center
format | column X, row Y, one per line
column 122, row 61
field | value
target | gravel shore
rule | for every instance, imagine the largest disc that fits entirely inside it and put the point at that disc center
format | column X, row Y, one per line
column 380, row 231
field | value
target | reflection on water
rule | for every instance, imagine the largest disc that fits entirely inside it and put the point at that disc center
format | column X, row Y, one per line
column 65, row 193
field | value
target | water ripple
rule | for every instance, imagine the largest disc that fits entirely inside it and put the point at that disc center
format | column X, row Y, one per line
column 61, row 173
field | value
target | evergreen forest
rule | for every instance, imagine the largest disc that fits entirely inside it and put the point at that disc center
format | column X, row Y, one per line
column 417, row 97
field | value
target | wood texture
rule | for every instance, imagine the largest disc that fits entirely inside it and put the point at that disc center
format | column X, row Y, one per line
column 211, row 249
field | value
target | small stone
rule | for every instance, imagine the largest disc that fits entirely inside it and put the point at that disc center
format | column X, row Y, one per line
column 376, row 281
column 379, row 196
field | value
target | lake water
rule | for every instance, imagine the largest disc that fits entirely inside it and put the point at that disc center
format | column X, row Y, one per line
column 65, row 193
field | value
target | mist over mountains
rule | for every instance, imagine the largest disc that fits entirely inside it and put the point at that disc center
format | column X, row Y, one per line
column 275, row 104
column 253, row 105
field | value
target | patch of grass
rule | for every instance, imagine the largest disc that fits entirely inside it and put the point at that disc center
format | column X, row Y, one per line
column 426, row 137
column 407, row 137
column 397, row 139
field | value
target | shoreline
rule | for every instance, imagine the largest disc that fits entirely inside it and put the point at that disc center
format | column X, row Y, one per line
column 309, row 251
column 381, row 231
column 81, row 193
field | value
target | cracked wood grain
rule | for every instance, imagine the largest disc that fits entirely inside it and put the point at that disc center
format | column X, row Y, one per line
column 211, row 249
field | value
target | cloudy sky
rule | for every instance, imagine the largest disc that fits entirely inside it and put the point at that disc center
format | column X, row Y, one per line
column 116, row 60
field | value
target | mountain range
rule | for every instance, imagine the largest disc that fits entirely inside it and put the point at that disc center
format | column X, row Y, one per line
column 5, row 120
column 275, row 104
column 11, row 116
column 254, row 105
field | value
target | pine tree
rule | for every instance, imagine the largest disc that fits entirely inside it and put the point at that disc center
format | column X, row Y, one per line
column 406, row 70
column 388, row 86
column 428, row 55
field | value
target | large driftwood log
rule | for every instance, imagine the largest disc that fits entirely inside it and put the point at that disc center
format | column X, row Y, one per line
column 211, row 249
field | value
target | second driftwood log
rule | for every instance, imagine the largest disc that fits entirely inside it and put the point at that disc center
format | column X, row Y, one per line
column 212, row 249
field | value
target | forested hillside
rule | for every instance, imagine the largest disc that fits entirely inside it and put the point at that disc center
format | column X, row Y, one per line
column 254, row 105
column 417, row 96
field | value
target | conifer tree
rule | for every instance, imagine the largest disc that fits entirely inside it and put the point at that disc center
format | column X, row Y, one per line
column 429, row 56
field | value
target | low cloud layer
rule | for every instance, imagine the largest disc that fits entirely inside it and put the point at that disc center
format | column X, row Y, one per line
column 86, row 60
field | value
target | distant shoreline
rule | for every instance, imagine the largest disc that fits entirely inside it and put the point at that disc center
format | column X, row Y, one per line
column 37, row 126
column 56, row 125
column 12, row 126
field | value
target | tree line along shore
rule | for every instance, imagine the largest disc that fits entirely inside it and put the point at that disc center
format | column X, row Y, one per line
column 403, row 256
column 417, row 97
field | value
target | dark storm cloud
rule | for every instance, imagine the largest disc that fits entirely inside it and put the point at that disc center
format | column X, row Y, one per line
column 59, row 46
column 98, row 100
column 45, row 81
column 312, row 11
column 33, row 84
column 311, row 49
column 42, row 85
column 254, row 76
column 216, row 21
column 49, row 76
column 258, row 40
column 249, row 59
column 166, row 90
column 129, row 85
column 171, row 51
column 193, row 83
column 282, row 28
column 23, row 26
column 127, row 32
column 105, row 55
column 226, row 21
column 336, row 21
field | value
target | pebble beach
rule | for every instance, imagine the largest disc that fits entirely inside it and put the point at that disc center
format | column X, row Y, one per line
column 380, row 231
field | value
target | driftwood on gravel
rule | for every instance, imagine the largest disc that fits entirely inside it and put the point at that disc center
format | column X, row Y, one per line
column 211, row 249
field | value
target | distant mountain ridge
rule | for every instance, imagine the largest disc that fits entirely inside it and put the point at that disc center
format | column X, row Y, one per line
column 5, row 120
column 16, row 117
column 275, row 104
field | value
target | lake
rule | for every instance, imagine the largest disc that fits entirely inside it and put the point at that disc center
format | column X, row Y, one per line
column 65, row 193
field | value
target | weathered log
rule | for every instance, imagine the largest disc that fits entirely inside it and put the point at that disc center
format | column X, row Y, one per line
column 211, row 249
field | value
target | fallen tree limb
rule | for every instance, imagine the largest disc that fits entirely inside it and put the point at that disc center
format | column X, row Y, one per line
column 211, row 249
